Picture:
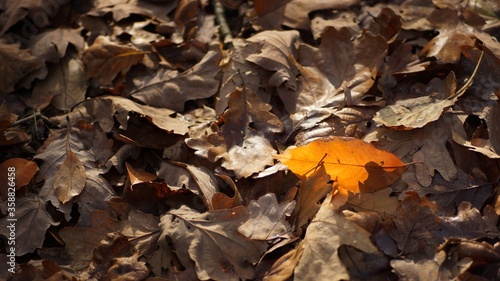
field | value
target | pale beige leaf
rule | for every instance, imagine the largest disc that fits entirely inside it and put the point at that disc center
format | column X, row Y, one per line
column 326, row 233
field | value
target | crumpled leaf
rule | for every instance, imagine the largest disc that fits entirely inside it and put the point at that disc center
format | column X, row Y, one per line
column 105, row 60
column 267, row 219
column 276, row 49
column 326, row 233
column 210, row 242
column 141, row 230
column 336, row 74
column 33, row 220
column 426, row 147
column 116, row 259
column 245, row 159
column 196, row 83
column 354, row 164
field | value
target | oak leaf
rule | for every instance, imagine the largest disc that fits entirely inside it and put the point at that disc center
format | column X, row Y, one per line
column 326, row 233
column 211, row 244
column 356, row 165
column 105, row 60
column 33, row 220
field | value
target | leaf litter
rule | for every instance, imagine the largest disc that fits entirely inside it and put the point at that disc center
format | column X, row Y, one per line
column 328, row 141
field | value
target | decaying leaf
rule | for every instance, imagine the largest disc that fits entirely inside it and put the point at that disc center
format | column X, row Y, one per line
column 32, row 222
column 294, row 13
column 17, row 63
column 196, row 83
column 267, row 219
column 326, row 233
column 69, row 180
column 356, row 165
column 105, row 60
column 312, row 189
column 92, row 148
column 210, row 243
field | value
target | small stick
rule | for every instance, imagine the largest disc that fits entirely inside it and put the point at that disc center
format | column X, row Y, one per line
column 224, row 29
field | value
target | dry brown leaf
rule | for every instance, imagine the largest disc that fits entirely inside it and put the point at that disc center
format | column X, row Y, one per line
column 116, row 259
column 326, row 233
column 294, row 13
column 312, row 190
column 65, row 83
column 104, row 60
column 137, row 176
column 283, row 268
column 196, row 83
column 336, row 74
column 107, row 110
column 52, row 45
column 354, row 164
column 33, row 220
column 413, row 227
column 267, row 219
column 245, row 159
column 69, row 181
column 17, row 63
column 426, row 147
column 211, row 243
column 417, row 112
column 28, row 11
column 93, row 149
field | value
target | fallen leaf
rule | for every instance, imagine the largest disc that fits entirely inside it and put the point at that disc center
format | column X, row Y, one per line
column 426, row 147
column 93, row 149
column 32, row 222
column 245, row 159
column 69, row 180
column 326, row 233
column 283, row 268
column 26, row 10
column 171, row 94
column 6, row 116
column 417, row 112
column 137, row 176
column 336, row 74
column 116, row 259
column 312, row 189
column 18, row 63
column 65, row 83
column 104, row 60
column 52, row 45
column 267, row 219
column 21, row 170
column 211, row 243
column 413, row 227
column 356, row 165
column 294, row 13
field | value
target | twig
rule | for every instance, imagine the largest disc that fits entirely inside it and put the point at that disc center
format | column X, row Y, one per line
column 33, row 116
column 224, row 29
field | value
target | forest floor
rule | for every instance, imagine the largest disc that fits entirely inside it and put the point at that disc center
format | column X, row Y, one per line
column 249, row 140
